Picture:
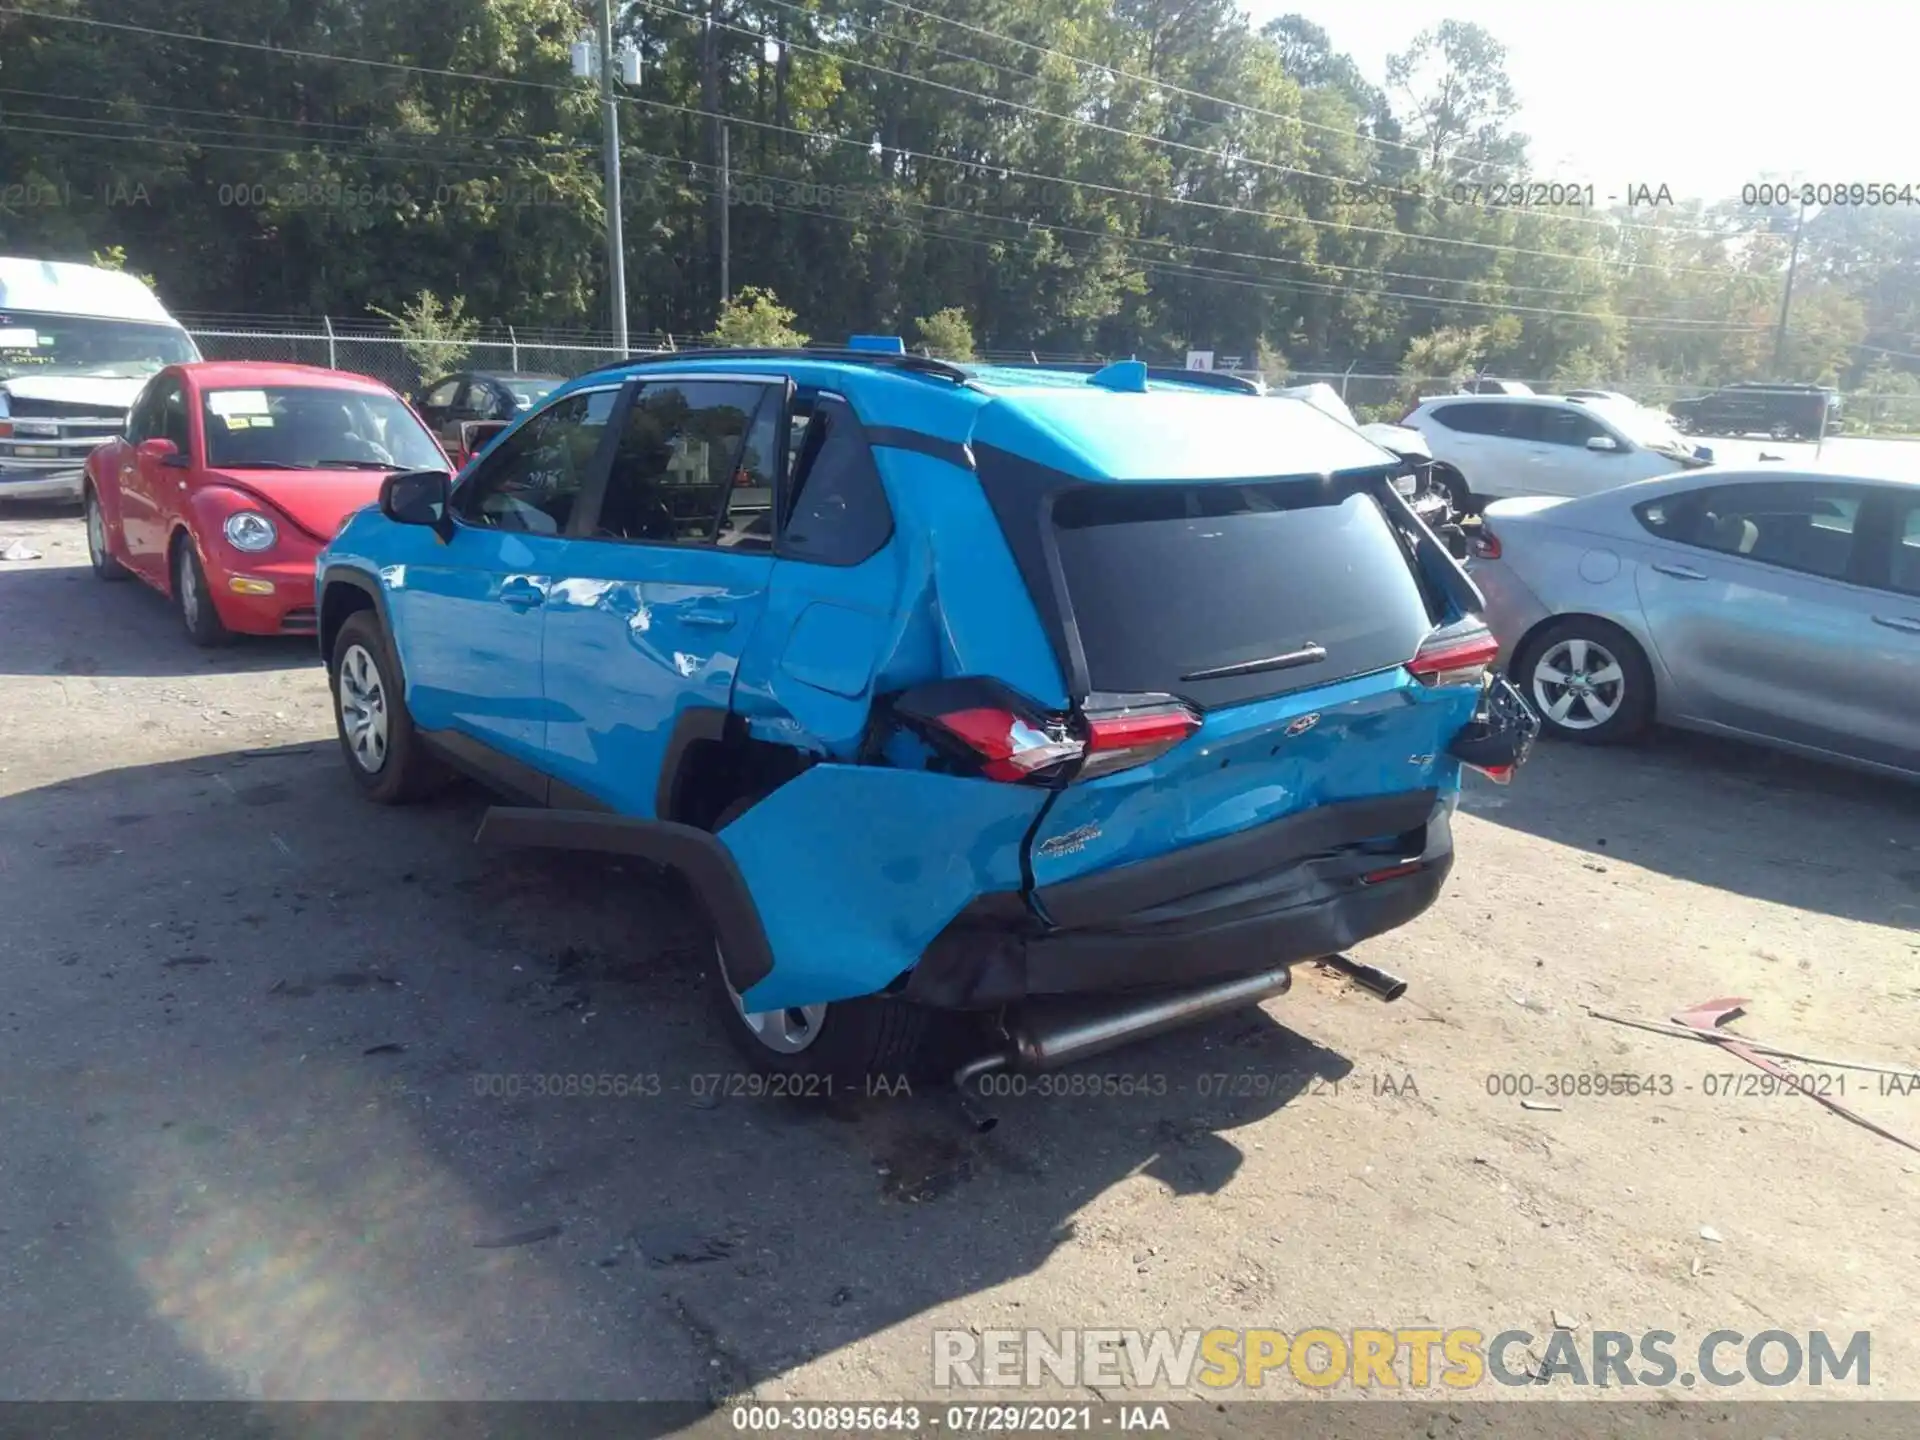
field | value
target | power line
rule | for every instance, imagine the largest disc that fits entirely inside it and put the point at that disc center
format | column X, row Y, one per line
column 1117, row 239
column 869, row 146
column 1009, row 171
column 1269, row 286
column 1212, row 153
column 199, row 144
column 358, row 131
column 1171, row 88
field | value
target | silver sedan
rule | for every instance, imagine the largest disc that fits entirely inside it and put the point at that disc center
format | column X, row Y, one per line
column 1777, row 606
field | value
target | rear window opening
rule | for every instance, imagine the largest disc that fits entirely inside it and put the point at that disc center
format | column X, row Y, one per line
column 1227, row 592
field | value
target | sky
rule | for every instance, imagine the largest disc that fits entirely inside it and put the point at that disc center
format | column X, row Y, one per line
column 1703, row 96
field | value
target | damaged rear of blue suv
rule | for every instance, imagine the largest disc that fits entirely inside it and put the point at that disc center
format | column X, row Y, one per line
column 1014, row 691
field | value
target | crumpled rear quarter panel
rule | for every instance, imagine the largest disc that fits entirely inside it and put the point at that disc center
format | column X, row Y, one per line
column 856, row 868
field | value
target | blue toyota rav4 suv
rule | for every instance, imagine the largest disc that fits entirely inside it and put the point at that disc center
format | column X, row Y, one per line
column 958, row 688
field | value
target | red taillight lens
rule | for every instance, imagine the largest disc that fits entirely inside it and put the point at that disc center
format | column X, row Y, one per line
column 1456, row 655
column 1122, row 739
column 1485, row 544
column 1010, row 747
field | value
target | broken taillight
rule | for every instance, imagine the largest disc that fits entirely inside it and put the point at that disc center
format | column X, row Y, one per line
column 1010, row 746
column 1457, row 654
column 1484, row 543
column 1127, row 735
column 994, row 732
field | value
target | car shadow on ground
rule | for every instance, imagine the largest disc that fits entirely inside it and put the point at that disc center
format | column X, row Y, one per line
column 1719, row 812
column 62, row 620
column 330, row 1102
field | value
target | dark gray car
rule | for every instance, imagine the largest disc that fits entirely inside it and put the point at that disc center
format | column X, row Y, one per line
column 1777, row 606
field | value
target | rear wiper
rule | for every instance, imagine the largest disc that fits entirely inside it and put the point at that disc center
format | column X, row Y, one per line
column 1308, row 654
column 353, row 465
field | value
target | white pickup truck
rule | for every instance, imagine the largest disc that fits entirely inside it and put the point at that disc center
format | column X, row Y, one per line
column 77, row 345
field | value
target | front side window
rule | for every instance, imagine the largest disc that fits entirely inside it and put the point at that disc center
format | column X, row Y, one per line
column 312, row 427
column 172, row 419
column 695, row 466
column 1554, row 426
column 531, row 480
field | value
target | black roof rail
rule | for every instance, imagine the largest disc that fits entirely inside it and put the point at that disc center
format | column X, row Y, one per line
column 917, row 364
column 1212, row 379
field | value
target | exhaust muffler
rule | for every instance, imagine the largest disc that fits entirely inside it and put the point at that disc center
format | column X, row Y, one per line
column 1045, row 1034
column 1383, row 984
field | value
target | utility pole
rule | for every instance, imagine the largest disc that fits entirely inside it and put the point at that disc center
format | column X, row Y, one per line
column 1786, row 295
column 726, row 212
column 616, row 241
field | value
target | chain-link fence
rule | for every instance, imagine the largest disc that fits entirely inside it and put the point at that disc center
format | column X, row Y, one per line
column 406, row 363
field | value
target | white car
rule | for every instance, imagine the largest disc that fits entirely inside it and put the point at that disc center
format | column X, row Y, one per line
column 1495, row 446
column 77, row 346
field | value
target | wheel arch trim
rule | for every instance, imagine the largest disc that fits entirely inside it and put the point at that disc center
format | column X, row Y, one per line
column 708, row 866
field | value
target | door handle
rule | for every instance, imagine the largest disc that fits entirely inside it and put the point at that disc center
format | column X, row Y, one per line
column 1899, row 622
column 522, row 594
column 709, row 619
column 1680, row 572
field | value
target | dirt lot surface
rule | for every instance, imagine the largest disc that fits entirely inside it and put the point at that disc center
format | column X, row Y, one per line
column 259, row 1039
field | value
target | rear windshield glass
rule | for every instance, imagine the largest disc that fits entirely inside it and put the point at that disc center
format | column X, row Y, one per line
column 1167, row 582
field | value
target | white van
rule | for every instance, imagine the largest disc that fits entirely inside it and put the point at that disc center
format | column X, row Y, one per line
column 77, row 345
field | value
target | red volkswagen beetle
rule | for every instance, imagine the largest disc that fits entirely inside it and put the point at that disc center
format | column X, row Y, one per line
column 232, row 475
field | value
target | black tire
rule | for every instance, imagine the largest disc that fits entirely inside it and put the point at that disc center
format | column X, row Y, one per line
column 194, row 600
column 105, row 567
column 1602, row 648
column 399, row 768
column 1458, row 495
column 847, row 1041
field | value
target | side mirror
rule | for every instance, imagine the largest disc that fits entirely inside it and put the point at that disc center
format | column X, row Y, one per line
column 162, row 450
column 476, row 435
column 1602, row 442
column 418, row 497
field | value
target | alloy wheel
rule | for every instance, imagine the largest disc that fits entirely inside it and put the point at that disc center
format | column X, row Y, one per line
column 1578, row 684
column 785, row 1032
column 96, row 531
column 189, row 589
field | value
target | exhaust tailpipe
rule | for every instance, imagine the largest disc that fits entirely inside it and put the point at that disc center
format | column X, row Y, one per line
column 1383, row 984
column 1049, row 1033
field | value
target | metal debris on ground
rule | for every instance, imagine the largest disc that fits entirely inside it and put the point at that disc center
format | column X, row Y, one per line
column 1706, row 1018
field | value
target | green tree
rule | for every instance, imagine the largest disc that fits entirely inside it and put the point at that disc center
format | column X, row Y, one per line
column 755, row 319
column 947, row 334
column 435, row 335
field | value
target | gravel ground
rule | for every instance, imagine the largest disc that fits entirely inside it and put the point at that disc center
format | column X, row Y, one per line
column 258, row 1037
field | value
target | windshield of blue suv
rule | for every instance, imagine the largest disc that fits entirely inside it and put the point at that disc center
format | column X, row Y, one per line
column 311, row 427
column 36, row 343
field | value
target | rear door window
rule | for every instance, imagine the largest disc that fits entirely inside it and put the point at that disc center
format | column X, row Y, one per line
column 1475, row 418
column 1174, row 588
column 837, row 507
column 1797, row 525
